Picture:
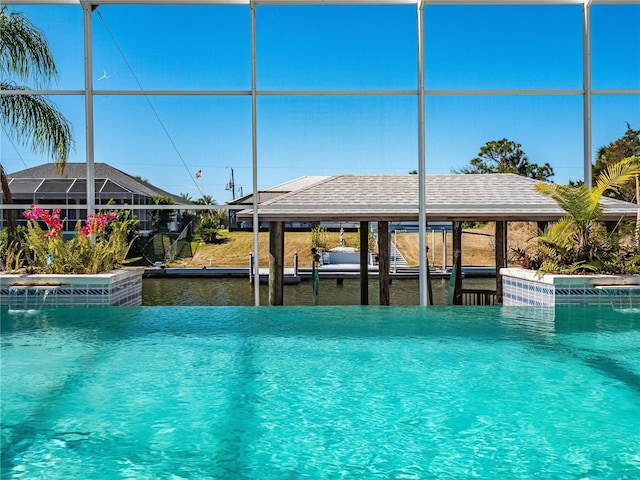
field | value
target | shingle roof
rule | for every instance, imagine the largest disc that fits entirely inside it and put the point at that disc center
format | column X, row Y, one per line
column 263, row 196
column 279, row 190
column 112, row 178
column 298, row 183
column 448, row 197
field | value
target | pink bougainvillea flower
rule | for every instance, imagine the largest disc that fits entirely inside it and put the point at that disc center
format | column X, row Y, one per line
column 97, row 223
column 51, row 220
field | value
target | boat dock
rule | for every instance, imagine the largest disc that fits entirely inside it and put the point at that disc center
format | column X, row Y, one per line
column 333, row 271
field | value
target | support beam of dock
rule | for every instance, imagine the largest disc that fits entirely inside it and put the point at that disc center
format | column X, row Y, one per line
column 364, row 263
column 383, row 262
column 501, row 256
column 457, row 262
column 276, row 263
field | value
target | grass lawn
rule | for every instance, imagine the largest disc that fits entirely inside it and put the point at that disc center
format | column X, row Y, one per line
column 235, row 247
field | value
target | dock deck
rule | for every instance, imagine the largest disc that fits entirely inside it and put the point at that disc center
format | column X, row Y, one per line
column 333, row 271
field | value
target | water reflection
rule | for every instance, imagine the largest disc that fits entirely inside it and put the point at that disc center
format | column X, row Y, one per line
column 238, row 291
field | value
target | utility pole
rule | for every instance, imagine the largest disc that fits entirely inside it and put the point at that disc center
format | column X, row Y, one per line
column 231, row 185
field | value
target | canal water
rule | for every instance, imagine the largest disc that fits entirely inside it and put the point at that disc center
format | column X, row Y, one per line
column 239, row 291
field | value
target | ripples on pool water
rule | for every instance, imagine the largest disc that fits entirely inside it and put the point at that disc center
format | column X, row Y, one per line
column 320, row 392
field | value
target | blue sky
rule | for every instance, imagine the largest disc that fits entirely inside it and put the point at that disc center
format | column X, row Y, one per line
column 166, row 139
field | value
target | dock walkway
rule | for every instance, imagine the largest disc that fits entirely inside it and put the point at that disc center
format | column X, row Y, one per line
column 332, row 271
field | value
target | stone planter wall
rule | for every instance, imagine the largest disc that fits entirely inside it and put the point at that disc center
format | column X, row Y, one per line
column 120, row 287
column 522, row 287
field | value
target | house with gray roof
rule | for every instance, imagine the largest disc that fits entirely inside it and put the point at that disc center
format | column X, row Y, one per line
column 44, row 185
column 264, row 196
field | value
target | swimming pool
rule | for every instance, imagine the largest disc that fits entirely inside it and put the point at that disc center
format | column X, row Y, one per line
column 320, row 392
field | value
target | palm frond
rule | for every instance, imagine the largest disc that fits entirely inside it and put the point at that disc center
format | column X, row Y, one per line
column 576, row 201
column 24, row 51
column 35, row 122
column 615, row 176
column 558, row 232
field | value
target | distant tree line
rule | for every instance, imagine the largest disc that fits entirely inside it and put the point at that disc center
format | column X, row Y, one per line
column 507, row 156
column 628, row 145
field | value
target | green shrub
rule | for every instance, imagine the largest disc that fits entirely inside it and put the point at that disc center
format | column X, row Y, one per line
column 319, row 238
column 208, row 228
column 579, row 242
column 101, row 245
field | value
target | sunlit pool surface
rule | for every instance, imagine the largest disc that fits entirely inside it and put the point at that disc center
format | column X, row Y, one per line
column 320, row 392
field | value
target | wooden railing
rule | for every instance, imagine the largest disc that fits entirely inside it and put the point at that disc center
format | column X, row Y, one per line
column 478, row 297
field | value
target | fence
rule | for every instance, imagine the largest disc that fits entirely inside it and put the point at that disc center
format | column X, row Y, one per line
column 172, row 251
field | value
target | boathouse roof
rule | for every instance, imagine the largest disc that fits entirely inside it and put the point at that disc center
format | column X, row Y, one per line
column 451, row 197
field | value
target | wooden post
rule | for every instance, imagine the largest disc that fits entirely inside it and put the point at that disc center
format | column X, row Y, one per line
column 276, row 263
column 383, row 262
column 444, row 249
column 364, row 263
column 457, row 262
column 501, row 256
column 251, row 266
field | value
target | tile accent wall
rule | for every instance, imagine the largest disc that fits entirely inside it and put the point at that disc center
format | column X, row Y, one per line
column 521, row 292
column 527, row 288
column 121, row 287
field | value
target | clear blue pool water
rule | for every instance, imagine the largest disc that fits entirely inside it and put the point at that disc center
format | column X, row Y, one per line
column 320, row 393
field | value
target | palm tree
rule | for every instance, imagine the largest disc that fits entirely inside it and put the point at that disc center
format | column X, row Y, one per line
column 574, row 242
column 206, row 200
column 215, row 217
column 31, row 120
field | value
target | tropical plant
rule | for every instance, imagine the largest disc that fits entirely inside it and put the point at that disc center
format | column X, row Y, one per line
column 206, row 200
column 160, row 218
column 32, row 120
column 128, row 218
column 101, row 245
column 11, row 253
column 208, row 228
column 319, row 238
column 219, row 215
column 579, row 242
column 187, row 218
column 628, row 145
